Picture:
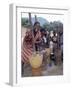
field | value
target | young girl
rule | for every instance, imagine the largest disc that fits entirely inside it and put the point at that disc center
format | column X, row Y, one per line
column 27, row 46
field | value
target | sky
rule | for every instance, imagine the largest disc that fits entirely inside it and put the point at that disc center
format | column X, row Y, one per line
column 48, row 17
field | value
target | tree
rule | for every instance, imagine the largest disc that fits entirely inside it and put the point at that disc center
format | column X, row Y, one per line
column 25, row 22
column 56, row 25
column 47, row 26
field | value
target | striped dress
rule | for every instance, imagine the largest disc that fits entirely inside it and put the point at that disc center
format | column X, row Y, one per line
column 27, row 48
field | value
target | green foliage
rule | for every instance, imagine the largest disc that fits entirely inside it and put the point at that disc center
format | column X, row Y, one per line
column 25, row 22
column 56, row 25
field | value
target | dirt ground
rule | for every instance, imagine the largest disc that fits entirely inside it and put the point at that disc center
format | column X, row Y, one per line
column 46, row 70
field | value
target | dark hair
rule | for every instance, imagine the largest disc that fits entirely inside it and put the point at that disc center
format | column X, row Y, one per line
column 54, row 32
column 43, row 30
column 36, row 23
